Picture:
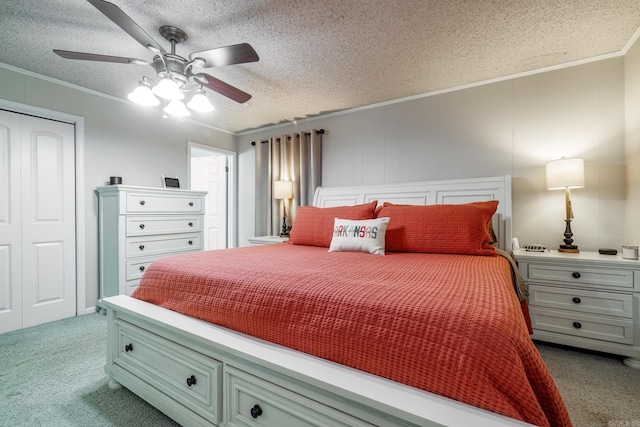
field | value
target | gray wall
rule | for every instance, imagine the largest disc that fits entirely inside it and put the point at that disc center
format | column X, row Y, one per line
column 509, row 127
column 120, row 139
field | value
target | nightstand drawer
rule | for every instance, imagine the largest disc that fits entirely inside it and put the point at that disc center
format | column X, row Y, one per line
column 605, row 303
column 580, row 275
column 617, row 330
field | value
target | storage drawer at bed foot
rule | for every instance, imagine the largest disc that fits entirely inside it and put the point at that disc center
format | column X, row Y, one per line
column 158, row 245
column 583, row 276
column 619, row 330
column 150, row 225
column 252, row 401
column 191, row 378
column 164, row 203
column 604, row 303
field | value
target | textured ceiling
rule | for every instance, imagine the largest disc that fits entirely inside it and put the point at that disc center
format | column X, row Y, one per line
column 318, row 56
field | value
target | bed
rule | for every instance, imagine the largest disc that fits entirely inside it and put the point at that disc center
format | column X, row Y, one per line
column 325, row 331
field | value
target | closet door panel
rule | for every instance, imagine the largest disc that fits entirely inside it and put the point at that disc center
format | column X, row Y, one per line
column 48, row 215
column 10, row 223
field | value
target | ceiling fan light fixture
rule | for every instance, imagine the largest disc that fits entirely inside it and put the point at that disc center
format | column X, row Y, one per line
column 142, row 95
column 199, row 102
column 176, row 108
column 168, row 89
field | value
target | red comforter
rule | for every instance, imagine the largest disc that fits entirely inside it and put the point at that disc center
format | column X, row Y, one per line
column 448, row 324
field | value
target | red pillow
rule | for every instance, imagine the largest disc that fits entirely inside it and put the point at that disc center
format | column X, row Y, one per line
column 313, row 226
column 446, row 229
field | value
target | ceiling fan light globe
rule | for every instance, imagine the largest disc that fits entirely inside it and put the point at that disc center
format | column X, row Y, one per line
column 176, row 108
column 168, row 89
column 142, row 95
column 199, row 102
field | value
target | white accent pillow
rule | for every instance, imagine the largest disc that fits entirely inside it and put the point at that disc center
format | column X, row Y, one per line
column 359, row 236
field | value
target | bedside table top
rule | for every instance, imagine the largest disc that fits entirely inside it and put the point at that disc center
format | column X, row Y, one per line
column 582, row 256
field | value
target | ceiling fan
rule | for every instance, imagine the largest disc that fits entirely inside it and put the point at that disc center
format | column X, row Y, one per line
column 173, row 70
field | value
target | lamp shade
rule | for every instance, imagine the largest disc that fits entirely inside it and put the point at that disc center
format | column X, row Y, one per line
column 177, row 108
column 168, row 89
column 142, row 95
column 565, row 173
column 282, row 190
column 199, row 102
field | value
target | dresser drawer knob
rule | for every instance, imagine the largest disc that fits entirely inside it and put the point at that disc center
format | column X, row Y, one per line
column 190, row 203
column 575, row 275
column 191, row 242
column 256, row 411
column 576, row 300
column 577, row 325
column 190, row 224
column 128, row 347
column 142, row 268
column 141, row 226
column 191, row 381
column 141, row 247
column 141, row 202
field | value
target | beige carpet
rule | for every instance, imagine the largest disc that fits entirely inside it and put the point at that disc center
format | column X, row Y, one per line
column 599, row 390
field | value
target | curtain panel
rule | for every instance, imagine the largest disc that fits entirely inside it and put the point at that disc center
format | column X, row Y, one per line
column 296, row 158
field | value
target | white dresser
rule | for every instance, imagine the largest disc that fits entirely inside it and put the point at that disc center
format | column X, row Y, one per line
column 138, row 225
column 584, row 300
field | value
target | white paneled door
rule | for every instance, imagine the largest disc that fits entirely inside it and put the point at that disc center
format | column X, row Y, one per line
column 209, row 173
column 37, row 221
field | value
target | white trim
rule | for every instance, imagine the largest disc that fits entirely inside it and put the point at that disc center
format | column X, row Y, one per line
column 232, row 232
column 78, row 123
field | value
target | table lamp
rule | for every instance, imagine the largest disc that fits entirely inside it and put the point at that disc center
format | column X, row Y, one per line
column 564, row 174
column 283, row 190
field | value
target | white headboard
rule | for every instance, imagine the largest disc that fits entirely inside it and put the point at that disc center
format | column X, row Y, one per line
column 451, row 191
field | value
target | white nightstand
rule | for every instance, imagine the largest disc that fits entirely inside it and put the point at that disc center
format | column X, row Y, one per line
column 584, row 300
column 267, row 240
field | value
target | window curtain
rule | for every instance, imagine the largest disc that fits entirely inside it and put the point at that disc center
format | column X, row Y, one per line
column 296, row 158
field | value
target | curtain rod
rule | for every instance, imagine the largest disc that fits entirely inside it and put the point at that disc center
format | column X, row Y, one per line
column 318, row 132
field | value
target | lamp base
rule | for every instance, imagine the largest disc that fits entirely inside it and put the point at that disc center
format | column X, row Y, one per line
column 285, row 230
column 568, row 241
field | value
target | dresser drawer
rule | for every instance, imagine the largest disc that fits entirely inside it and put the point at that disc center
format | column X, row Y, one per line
column 605, row 303
column 137, row 266
column 163, row 203
column 580, row 275
column 253, row 401
column 150, row 225
column 131, row 285
column 617, row 330
column 158, row 245
column 192, row 379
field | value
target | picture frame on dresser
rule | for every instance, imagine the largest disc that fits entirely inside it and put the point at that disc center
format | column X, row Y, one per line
column 585, row 300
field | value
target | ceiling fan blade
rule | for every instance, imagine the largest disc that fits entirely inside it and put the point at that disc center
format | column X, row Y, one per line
column 95, row 57
column 227, row 55
column 123, row 21
column 223, row 88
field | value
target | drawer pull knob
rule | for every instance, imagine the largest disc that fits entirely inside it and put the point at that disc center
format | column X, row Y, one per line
column 190, row 203
column 142, row 268
column 141, row 202
column 128, row 347
column 191, row 242
column 577, row 325
column 256, row 411
column 576, row 300
column 190, row 224
column 141, row 226
column 191, row 381
column 575, row 275
column 141, row 247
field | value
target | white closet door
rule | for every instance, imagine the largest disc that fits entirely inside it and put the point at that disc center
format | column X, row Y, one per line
column 10, row 223
column 48, row 221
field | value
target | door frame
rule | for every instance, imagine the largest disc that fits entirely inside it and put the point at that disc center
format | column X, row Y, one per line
column 231, row 185
column 80, row 231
